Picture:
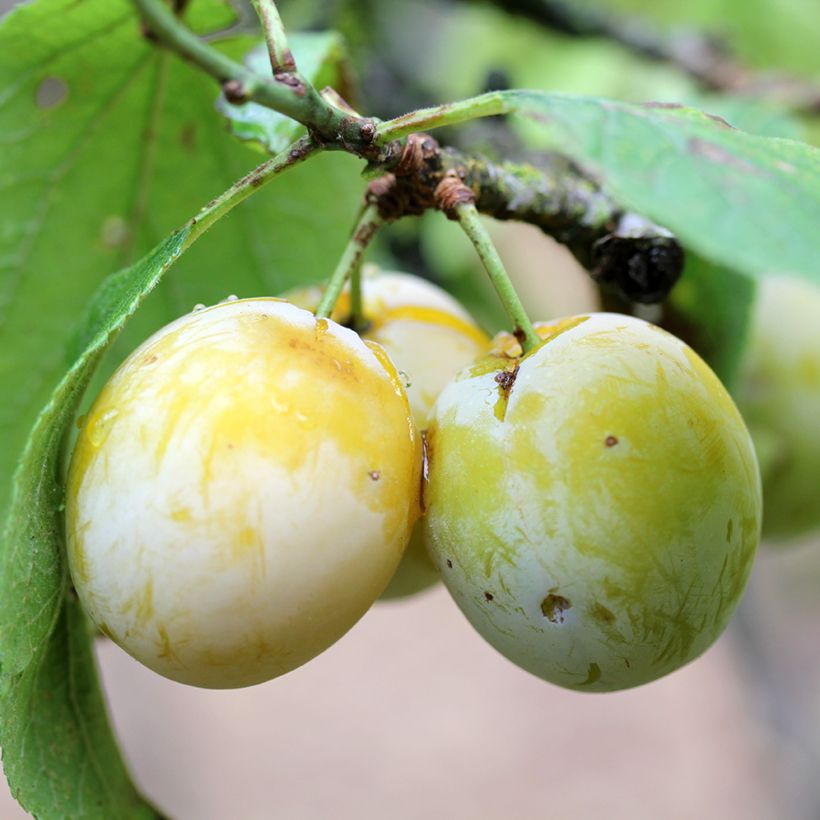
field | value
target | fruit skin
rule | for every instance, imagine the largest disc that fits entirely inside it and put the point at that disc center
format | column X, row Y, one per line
column 430, row 337
column 596, row 517
column 778, row 393
column 241, row 492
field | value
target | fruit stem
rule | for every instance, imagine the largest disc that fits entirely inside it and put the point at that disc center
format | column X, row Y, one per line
column 281, row 58
column 368, row 223
column 356, row 320
column 470, row 221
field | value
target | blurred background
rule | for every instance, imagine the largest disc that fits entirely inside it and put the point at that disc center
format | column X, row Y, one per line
column 412, row 715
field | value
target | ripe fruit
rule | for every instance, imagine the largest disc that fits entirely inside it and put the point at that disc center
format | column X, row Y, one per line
column 241, row 492
column 594, row 507
column 429, row 337
column 779, row 394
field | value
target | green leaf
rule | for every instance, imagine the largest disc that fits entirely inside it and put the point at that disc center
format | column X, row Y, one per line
column 749, row 203
column 58, row 752
column 320, row 56
column 107, row 144
column 61, row 768
column 711, row 309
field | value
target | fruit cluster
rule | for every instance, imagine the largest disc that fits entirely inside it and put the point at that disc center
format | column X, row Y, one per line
column 247, row 483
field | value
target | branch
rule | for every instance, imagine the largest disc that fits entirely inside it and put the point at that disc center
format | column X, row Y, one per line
column 281, row 58
column 622, row 250
column 701, row 56
column 217, row 208
column 286, row 92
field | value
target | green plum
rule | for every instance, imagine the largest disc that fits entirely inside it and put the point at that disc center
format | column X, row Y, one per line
column 779, row 394
column 593, row 506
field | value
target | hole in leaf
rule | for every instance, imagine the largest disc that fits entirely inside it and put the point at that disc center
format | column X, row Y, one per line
column 51, row 92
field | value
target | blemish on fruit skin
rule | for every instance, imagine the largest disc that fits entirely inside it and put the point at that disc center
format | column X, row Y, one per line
column 488, row 596
column 166, row 651
column 375, row 475
column 611, row 441
column 449, row 564
column 593, row 675
column 602, row 614
column 505, row 380
column 730, row 526
column 553, row 608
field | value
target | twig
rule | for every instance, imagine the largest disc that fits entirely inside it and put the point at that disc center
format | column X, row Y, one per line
column 281, row 58
column 703, row 57
column 619, row 249
column 622, row 250
column 286, row 92
column 294, row 154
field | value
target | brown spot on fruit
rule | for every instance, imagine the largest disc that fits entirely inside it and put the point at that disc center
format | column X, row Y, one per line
column 553, row 608
column 375, row 475
column 505, row 380
column 488, row 596
column 449, row 564
column 611, row 441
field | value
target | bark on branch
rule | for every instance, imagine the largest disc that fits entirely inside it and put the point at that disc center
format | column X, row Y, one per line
column 622, row 250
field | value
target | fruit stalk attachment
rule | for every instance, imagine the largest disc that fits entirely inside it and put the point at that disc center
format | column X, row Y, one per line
column 366, row 226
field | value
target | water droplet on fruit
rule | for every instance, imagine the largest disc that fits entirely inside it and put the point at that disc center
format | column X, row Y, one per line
column 231, row 298
column 198, row 307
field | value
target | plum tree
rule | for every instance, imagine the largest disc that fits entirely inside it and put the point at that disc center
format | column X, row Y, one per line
column 779, row 394
column 241, row 491
column 430, row 337
column 593, row 506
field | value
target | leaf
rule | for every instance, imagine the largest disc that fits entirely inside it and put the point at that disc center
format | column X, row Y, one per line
column 320, row 56
column 58, row 752
column 749, row 203
column 711, row 309
column 41, row 760
column 107, row 144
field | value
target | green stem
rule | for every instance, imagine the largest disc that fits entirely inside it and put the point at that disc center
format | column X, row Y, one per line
column 281, row 58
column 486, row 105
column 288, row 93
column 470, row 221
column 356, row 320
column 292, row 155
column 369, row 222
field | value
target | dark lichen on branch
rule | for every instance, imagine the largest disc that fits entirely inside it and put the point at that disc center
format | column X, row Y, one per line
column 621, row 250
